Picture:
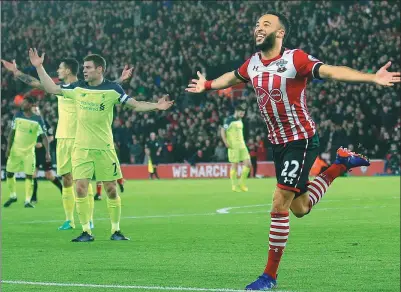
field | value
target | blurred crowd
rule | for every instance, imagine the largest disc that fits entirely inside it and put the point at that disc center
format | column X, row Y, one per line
column 168, row 41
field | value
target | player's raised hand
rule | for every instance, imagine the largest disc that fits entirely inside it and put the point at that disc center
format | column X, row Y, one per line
column 163, row 103
column 197, row 85
column 36, row 60
column 127, row 73
column 385, row 78
column 12, row 67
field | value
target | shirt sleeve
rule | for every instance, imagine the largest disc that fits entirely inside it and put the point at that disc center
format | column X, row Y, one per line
column 242, row 72
column 226, row 123
column 13, row 124
column 42, row 126
column 122, row 96
column 49, row 129
column 306, row 65
column 67, row 90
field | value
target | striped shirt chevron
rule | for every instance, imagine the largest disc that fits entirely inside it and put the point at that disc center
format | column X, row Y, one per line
column 280, row 89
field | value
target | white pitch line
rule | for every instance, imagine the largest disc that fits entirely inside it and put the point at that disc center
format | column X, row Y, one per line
column 199, row 214
column 124, row 286
column 225, row 210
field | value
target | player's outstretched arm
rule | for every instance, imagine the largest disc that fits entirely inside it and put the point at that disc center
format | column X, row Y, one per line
column 126, row 74
column 27, row 79
column 342, row 73
column 45, row 79
column 201, row 84
column 143, row 106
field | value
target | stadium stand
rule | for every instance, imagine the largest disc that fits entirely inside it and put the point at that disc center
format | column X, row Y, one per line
column 167, row 44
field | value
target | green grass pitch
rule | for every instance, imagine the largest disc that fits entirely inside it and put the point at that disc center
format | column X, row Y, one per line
column 349, row 242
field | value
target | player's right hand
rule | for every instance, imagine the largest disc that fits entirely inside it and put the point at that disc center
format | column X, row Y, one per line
column 197, row 85
column 36, row 60
column 12, row 67
column 227, row 145
column 163, row 103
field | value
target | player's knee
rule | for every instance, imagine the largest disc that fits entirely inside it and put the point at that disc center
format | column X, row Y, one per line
column 282, row 200
column 111, row 191
column 298, row 215
column 82, row 190
column 10, row 174
column 67, row 180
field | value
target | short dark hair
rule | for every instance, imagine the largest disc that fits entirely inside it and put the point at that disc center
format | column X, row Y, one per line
column 30, row 99
column 98, row 60
column 241, row 107
column 71, row 64
column 284, row 21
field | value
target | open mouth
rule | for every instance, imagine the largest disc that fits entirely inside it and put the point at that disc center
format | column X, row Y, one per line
column 260, row 37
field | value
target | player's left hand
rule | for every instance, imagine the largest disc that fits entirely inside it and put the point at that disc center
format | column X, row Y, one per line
column 163, row 103
column 12, row 67
column 36, row 60
column 48, row 158
column 385, row 78
column 127, row 73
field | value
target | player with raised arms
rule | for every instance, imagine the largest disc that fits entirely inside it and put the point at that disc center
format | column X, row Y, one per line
column 279, row 77
column 65, row 133
column 93, row 150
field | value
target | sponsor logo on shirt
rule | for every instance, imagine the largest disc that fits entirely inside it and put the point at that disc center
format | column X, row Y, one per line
column 263, row 96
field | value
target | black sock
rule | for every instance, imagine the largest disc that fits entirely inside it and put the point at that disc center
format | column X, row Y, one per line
column 35, row 189
column 157, row 176
column 57, row 183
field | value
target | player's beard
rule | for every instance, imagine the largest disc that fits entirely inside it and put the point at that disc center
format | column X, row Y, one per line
column 268, row 43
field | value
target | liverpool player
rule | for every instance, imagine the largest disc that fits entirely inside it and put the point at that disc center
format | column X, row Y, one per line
column 65, row 134
column 233, row 137
column 279, row 77
column 93, row 150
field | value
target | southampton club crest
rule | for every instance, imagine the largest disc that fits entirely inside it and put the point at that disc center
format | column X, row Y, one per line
column 281, row 65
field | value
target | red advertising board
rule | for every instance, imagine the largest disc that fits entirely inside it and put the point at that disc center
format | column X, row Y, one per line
column 222, row 170
column 212, row 170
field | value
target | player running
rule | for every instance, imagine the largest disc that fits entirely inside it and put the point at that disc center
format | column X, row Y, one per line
column 233, row 138
column 65, row 133
column 279, row 77
column 93, row 150
column 20, row 153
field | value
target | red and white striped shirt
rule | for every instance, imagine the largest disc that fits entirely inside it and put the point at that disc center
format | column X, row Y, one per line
column 280, row 88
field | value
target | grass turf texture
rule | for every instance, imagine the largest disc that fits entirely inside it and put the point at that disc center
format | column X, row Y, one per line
column 349, row 242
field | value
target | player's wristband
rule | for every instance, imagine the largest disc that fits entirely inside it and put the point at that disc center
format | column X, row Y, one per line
column 208, row 85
